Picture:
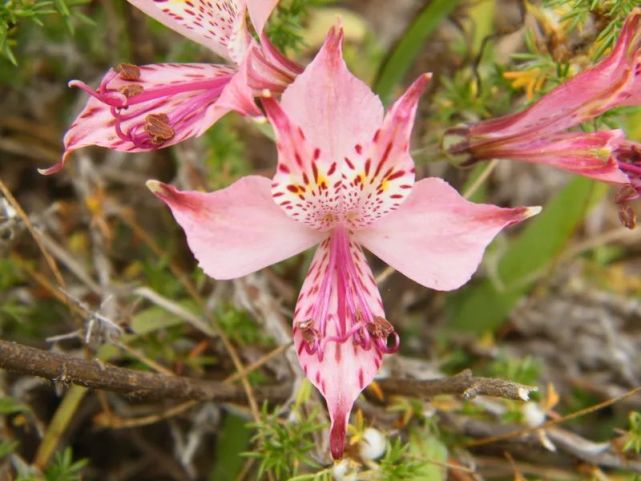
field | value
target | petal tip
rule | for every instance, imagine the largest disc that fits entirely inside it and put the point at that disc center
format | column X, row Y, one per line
column 54, row 169
column 157, row 188
column 334, row 40
column 58, row 166
column 531, row 211
column 337, row 436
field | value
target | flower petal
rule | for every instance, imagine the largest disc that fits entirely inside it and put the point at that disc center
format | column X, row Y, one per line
column 237, row 230
column 218, row 25
column 437, row 238
column 337, row 365
column 338, row 160
column 613, row 82
column 259, row 12
column 335, row 109
column 589, row 154
column 185, row 98
column 268, row 68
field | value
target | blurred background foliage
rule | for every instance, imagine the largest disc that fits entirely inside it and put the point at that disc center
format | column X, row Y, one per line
column 555, row 303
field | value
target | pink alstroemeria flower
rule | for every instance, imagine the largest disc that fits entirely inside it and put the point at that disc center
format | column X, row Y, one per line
column 539, row 133
column 344, row 180
column 140, row 108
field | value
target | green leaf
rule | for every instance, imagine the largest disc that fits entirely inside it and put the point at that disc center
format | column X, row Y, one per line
column 9, row 405
column 409, row 46
column 233, row 438
column 156, row 318
column 426, row 447
column 7, row 447
column 484, row 306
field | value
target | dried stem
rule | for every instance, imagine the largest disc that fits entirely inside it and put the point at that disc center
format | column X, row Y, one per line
column 464, row 384
column 94, row 374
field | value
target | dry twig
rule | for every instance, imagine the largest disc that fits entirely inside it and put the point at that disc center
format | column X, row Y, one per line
column 94, row 374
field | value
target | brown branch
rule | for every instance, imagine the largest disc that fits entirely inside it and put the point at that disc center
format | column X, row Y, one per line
column 94, row 374
column 464, row 384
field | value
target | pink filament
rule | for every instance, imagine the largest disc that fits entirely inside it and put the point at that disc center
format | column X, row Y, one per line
column 353, row 310
column 206, row 92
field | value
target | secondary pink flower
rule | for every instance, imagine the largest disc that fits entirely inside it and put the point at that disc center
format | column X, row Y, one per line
column 345, row 180
column 139, row 108
column 538, row 135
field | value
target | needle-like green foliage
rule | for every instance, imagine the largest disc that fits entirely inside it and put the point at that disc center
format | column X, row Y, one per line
column 14, row 12
column 284, row 446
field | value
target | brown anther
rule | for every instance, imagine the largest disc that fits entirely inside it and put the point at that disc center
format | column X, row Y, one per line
column 380, row 327
column 307, row 330
column 131, row 90
column 158, row 128
column 627, row 216
column 624, row 194
column 128, row 71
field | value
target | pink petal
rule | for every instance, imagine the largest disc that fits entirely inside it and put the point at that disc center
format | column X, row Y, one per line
column 192, row 96
column 238, row 95
column 259, row 12
column 237, row 230
column 391, row 174
column 339, row 298
column 268, row 68
column 613, row 82
column 339, row 162
column 588, row 154
column 219, row 25
column 437, row 238
column 335, row 109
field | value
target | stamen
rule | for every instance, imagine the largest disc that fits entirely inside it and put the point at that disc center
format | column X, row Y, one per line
column 310, row 336
column 380, row 327
column 158, row 128
column 307, row 330
column 627, row 216
column 128, row 71
column 384, row 346
column 625, row 194
column 353, row 319
column 131, row 90
column 134, row 102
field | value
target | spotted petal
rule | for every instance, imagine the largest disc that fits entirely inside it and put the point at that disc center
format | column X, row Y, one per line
column 437, row 238
column 217, row 24
column 338, row 293
column 237, row 230
column 183, row 98
column 339, row 160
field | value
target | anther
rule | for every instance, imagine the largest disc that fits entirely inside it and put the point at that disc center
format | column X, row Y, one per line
column 311, row 338
column 380, row 327
column 131, row 90
column 158, row 128
column 625, row 194
column 307, row 330
column 128, row 71
column 627, row 216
